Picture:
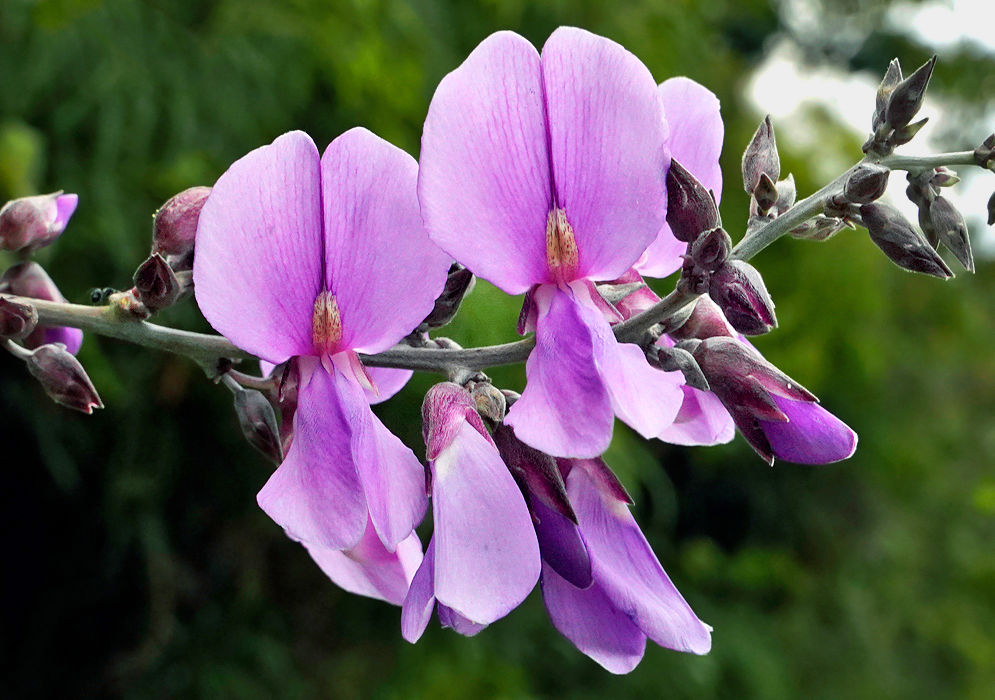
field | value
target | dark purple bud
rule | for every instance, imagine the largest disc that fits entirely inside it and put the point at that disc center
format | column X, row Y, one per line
column 29, row 279
column 63, row 378
column 951, row 229
column 943, row 177
column 819, row 228
column 711, row 250
column 258, row 422
column 17, row 321
column 765, row 195
column 991, row 210
column 30, row 223
column 155, row 283
column 916, row 192
column 907, row 133
column 761, row 157
column 892, row 77
column 786, row 194
column 906, row 99
column 901, row 242
column 536, row 470
column 866, row 183
column 691, row 208
column 459, row 283
column 926, row 224
column 984, row 155
column 740, row 292
column 677, row 360
column 694, row 279
column 706, row 321
column 174, row 228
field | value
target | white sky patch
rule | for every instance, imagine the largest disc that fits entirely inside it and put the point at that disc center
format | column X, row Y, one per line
column 943, row 24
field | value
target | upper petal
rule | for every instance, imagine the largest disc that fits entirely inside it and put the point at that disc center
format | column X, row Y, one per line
column 607, row 142
column 813, row 435
column 629, row 572
column 486, row 553
column 316, row 494
column 382, row 267
column 702, row 420
column 388, row 381
column 484, row 181
column 259, row 266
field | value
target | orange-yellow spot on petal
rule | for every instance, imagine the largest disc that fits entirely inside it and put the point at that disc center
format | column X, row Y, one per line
column 561, row 246
column 326, row 325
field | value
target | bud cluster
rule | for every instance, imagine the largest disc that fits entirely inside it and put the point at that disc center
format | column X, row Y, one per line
column 898, row 102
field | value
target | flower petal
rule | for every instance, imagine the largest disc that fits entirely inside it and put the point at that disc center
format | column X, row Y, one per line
column 484, row 181
column 607, row 143
column 376, row 248
column 561, row 545
column 416, row 611
column 369, row 569
column 65, row 205
column 456, row 622
column 72, row 338
column 388, row 382
column 258, row 267
column 647, row 399
column 629, row 572
column 316, row 494
column 486, row 553
column 813, row 435
column 565, row 409
column 702, row 420
column 592, row 623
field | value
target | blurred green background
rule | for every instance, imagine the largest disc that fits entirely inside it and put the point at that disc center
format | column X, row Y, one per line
column 135, row 561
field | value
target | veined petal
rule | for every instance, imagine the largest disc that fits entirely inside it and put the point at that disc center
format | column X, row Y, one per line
column 486, row 553
column 416, row 611
column 369, row 569
column 388, row 382
column 702, row 420
column 629, row 572
column 813, row 435
column 316, row 494
column 590, row 620
column 382, row 268
column 607, row 142
column 484, row 181
column 258, row 267
column 565, row 409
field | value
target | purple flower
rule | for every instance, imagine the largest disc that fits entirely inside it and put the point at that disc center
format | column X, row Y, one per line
column 318, row 259
column 29, row 279
column 542, row 175
column 483, row 559
column 628, row 597
column 30, row 223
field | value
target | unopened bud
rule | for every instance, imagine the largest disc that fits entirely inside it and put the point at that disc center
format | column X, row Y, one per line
column 786, row 194
column 156, row 284
column 257, row 419
column 489, row 401
column 174, row 228
column 740, row 292
column 907, row 133
column 991, row 210
column 17, row 321
column 818, row 228
column 943, row 177
column 691, row 208
column 906, row 100
column 903, row 244
column 30, row 223
column 866, row 183
column 951, row 229
column 984, row 155
column 765, row 194
column 706, row 321
column 926, row 224
column 63, row 378
column 694, row 279
column 892, row 77
column 674, row 359
column 711, row 250
column 459, row 283
column 761, row 157
column 29, row 279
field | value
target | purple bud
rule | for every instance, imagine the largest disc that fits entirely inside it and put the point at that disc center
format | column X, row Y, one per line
column 926, row 224
column 29, row 279
column 711, row 250
column 906, row 99
column 761, row 157
column 694, row 279
column 155, row 283
column 175, row 225
column 672, row 359
column 866, row 183
column 786, row 194
column 951, row 229
column 740, row 292
column 943, row 177
column 258, row 422
column 459, row 283
column 30, row 223
column 536, row 470
column 765, row 194
column 984, row 155
column 903, row 244
column 991, row 210
column 691, row 208
column 907, row 133
column 17, row 321
column 892, row 77
column 63, row 378
column 706, row 321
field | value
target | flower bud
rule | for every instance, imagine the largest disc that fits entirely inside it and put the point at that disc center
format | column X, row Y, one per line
column 892, row 77
column 786, row 194
column 489, row 401
column 984, row 155
column 459, row 283
column 943, row 177
column 156, row 285
column 30, row 223
column 740, row 292
column 951, row 229
column 711, row 250
column 446, row 407
column 691, row 208
column 906, row 100
column 761, row 157
column 174, row 227
column 903, row 244
column 765, row 194
column 17, row 321
column 672, row 359
column 29, row 279
column 63, row 378
column 694, row 279
column 706, row 321
column 991, row 210
column 907, row 133
column 867, row 182
column 818, row 228
column 258, row 422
